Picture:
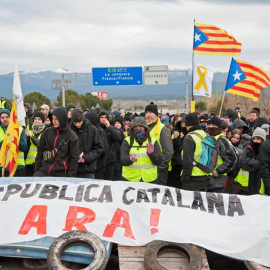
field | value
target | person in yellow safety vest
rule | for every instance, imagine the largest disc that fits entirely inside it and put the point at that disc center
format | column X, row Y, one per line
column 140, row 154
column 192, row 177
column 248, row 181
column 2, row 103
column 224, row 164
column 163, row 135
column 33, row 137
column 4, row 121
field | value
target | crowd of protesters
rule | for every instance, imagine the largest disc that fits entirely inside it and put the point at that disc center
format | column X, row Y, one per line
column 150, row 147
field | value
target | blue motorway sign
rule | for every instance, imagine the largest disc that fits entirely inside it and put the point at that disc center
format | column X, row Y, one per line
column 117, row 76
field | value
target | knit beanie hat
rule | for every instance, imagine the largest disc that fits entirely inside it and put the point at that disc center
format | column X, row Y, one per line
column 203, row 118
column 192, row 119
column 5, row 111
column 127, row 118
column 77, row 115
column 259, row 132
column 40, row 115
column 265, row 126
column 214, row 121
column 152, row 108
column 120, row 120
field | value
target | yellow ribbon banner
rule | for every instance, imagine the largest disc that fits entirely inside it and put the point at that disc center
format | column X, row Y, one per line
column 202, row 76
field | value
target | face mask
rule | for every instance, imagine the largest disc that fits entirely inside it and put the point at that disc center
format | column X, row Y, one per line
column 255, row 146
column 184, row 130
column 212, row 131
column 165, row 120
column 203, row 127
column 139, row 133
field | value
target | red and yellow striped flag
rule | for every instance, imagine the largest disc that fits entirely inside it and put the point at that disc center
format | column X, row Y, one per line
column 245, row 79
column 10, row 146
column 212, row 40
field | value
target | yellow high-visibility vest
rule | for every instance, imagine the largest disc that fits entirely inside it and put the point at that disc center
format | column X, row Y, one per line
column 31, row 156
column 243, row 179
column 143, row 168
column 197, row 154
column 2, row 104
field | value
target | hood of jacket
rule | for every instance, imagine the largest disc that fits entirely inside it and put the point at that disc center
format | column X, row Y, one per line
column 92, row 117
column 116, row 113
column 139, row 121
column 232, row 114
column 61, row 115
column 103, row 112
column 240, row 123
column 30, row 109
column 83, row 127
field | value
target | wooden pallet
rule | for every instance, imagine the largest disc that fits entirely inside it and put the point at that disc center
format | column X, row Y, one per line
column 132, row 258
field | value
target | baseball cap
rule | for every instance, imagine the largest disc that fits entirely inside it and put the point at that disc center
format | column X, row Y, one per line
column 45, row 106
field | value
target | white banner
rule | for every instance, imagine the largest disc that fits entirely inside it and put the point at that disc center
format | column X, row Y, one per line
column 202, row 80
column 135, row 214
column 17, row 92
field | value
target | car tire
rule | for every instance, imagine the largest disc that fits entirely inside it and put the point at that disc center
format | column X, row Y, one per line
column 76, row 238
column 153, row 249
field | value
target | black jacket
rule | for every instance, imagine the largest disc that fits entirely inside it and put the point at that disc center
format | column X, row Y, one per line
column 264, row 158
column 113, row 135
column 249, row 161
column 101, row 162
column 89, row 144
column 65, row 162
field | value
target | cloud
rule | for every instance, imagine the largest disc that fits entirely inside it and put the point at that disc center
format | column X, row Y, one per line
column 79, row 35
column 236, row 2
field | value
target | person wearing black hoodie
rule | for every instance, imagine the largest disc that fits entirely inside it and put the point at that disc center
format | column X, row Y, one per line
column 90, row 147
column 69, row 108
column 101, row 161
column 113, row 135
column 118, row 123
column 179, row 133
column 29, row 115
column 58, row 149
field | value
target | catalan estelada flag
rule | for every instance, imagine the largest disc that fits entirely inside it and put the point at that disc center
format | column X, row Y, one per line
column 10, row 146
column 245, row 79
column 212, row 40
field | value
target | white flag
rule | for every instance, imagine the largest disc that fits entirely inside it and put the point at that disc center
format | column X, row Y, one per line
column 202, row 81
column 17, row 92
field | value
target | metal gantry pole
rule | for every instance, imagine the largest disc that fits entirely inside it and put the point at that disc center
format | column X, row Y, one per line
column 187, row 106
column 63, row 90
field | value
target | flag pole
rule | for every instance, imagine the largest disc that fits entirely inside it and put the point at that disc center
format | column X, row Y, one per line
column 192, row 105
column 221, row 104
column 5, row 163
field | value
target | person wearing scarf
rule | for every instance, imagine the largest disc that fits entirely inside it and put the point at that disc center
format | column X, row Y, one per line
column 248, row 181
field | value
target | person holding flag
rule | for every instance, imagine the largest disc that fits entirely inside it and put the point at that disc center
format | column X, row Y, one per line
column 12, row 142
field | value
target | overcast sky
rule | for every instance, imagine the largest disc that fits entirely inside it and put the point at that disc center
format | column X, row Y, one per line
column 80, row 34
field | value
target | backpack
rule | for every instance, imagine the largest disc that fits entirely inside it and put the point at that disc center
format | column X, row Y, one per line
column 209, row 157
column 233, row 156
